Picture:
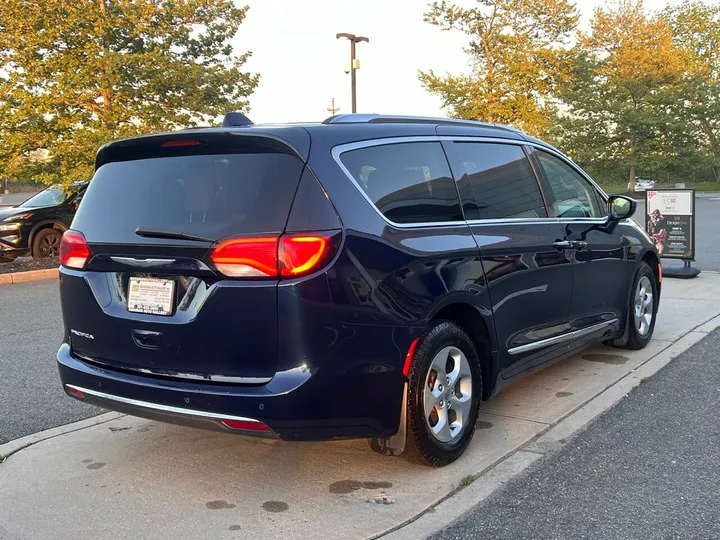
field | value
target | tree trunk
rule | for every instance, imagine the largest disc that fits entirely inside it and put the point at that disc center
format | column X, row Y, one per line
column 631, row 179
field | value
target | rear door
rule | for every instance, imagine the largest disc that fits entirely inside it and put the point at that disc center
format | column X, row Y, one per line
column 527, row 266
column 155, row 303
column 599, row 297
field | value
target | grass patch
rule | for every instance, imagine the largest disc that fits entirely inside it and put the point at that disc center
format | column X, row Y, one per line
column 466, row 481
column 643, row 380
column 2, row 458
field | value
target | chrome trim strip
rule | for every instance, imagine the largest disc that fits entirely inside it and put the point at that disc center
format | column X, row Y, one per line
column 179, row 375
column 512, row 221
column 162, row 408
column 559, row 339
column 144, row 263
column 337, row 151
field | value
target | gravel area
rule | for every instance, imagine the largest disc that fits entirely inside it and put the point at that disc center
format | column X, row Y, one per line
column 23, row 264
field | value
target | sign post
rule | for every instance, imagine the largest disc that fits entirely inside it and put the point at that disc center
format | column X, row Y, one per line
column 670, row 222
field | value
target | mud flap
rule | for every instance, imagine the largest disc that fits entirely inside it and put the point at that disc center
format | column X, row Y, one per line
column 395, row 444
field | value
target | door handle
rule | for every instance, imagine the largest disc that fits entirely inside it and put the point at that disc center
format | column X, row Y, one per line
column 146, row 339
column 579, row 245
column 563, row 244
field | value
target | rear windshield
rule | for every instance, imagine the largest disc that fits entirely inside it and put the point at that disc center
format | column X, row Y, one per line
column 212, row 196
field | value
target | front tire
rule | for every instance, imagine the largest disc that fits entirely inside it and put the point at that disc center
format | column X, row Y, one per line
column 642, row 311
column 444, row 394
column 46, row 244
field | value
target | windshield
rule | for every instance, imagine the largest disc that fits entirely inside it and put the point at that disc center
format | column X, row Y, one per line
column 51, row 196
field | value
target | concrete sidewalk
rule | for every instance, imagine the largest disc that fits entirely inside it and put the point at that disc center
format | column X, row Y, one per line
column 139, row 479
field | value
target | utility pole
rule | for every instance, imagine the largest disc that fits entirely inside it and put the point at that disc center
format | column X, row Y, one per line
column 333, row 109
column 354, row 65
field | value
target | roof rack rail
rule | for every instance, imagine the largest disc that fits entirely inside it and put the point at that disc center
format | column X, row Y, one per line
column 390, row 119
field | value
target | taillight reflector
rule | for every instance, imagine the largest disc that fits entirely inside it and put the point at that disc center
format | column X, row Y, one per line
column 287, row 256
column 247, row 425
column 409, row 357
column 74, row 251
column 77, row 393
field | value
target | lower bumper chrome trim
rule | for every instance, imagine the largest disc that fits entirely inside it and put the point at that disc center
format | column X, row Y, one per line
column 161, row 408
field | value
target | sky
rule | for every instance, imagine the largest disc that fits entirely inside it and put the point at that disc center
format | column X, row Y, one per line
column 302, row 64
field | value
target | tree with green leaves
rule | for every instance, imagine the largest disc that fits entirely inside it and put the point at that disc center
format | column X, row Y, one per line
column 519, row 55
column 75, row 74
column 628, row 69
column 696, row 28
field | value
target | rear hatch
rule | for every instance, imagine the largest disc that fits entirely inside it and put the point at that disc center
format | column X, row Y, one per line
column 150, row 297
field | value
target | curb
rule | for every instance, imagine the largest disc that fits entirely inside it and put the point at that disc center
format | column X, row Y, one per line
column 9, row 448
column 436, row 518
column 27, row 277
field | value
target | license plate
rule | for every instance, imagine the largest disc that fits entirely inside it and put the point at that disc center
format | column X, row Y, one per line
column 151, row 295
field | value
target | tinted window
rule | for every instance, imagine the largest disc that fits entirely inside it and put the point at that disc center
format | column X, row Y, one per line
column 570, row 195
column 409, row 183
column 501, row 179
column 207, row 195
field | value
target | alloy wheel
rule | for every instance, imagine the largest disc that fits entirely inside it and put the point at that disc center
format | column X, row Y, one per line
column 448, row 394
column 644, row 306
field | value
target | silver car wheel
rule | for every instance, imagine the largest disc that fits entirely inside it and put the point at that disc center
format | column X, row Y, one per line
column 448, row 394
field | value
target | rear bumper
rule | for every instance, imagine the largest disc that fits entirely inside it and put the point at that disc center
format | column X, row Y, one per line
column 295, row 405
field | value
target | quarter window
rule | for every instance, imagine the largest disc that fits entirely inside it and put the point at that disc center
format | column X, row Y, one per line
column 570, row 195
column 407, row 182
column 502, row 182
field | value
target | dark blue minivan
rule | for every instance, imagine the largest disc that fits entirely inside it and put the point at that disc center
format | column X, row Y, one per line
column 368, row 276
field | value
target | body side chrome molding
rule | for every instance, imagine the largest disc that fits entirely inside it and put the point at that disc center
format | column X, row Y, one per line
column 561, row 338
column 159, row 407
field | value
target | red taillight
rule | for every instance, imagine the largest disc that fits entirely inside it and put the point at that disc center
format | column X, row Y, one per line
column 74, row 251
column 247, row 425
column 409, row 356
column 176, row 144
column 247, row 257
column 301, row 254
column 288, row 256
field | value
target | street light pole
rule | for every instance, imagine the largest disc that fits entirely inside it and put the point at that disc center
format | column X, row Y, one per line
column 353, row 40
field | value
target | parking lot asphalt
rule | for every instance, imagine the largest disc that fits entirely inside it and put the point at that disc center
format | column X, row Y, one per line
column 30, row 332
column 646, row 469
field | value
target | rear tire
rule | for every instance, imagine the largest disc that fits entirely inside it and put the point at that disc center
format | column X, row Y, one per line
column 46, row 244
column 642, row 311
column 445, row 380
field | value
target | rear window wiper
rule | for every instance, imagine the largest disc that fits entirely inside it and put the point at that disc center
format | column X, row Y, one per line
column 161, row 233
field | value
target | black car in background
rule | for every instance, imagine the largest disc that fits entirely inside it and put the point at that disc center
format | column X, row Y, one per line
column 35, row 227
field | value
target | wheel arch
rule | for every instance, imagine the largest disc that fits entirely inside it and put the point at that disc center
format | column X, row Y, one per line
column 469, row 318
column 45, row 224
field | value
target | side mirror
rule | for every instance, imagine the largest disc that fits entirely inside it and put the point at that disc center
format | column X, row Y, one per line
column 620, row 207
